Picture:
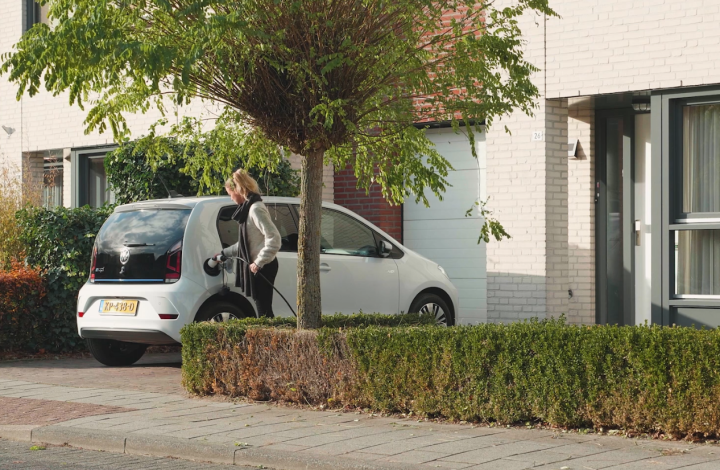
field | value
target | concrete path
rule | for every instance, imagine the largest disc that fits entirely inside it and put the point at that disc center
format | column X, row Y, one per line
column 18, row 456
column 111, row 415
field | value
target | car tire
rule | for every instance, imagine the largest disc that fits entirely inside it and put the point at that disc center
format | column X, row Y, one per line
column 433, row 303
column 115, row 353
column 220, row 312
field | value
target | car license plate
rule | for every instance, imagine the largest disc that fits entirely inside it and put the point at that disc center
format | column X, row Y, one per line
column 119, row 307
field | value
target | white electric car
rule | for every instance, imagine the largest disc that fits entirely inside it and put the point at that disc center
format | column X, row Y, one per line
column 148, row 279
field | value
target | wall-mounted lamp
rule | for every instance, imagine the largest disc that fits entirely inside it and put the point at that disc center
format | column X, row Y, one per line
column 9, row 130
column 641, row 106
column 572, row 148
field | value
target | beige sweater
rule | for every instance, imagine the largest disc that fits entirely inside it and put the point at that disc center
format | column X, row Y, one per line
column 263, row 237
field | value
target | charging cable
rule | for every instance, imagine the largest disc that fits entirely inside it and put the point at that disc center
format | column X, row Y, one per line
column 213, row 262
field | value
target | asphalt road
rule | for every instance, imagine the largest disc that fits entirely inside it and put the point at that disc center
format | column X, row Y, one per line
column 18, row 456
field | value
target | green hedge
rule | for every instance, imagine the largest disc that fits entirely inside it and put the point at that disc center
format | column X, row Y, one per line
column 203, row 342
column 59, row 242
column 642, row 379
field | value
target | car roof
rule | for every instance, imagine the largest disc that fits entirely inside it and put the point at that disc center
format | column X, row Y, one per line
column 219, row 201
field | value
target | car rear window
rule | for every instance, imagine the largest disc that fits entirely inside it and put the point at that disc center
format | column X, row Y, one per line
column 147, row 235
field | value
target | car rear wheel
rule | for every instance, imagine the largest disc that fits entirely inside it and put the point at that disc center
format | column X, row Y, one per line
column 220, row 312
column 435, row 305
column 116, row 353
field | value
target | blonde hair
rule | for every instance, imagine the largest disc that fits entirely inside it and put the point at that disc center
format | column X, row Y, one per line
column 243, row 183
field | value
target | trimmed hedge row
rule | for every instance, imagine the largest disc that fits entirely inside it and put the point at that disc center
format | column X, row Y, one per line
column 207, row 346
column 22, row 291
column 642, row 379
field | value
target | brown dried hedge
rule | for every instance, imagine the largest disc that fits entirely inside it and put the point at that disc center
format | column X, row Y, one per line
column 641, row 379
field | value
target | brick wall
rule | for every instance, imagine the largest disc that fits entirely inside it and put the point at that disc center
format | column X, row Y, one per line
column 609, row 46
column 581, row 210
column 371, row 206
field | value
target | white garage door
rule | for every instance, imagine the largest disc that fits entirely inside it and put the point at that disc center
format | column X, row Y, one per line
column 443, row 234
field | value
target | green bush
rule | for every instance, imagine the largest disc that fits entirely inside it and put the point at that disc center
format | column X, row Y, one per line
column 642, row 379
column 59, row 242
column 202, row 342
column 132, row 178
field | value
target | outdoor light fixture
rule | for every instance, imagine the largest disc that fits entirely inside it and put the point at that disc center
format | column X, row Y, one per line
column 9, row 130
column 572, row 147
column 641, row 106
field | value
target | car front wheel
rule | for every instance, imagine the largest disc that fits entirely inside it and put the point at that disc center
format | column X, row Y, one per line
column 434, row 305
column 115, row 353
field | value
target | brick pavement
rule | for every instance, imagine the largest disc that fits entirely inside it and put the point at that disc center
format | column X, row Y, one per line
column 253, row 432
column 24, row 411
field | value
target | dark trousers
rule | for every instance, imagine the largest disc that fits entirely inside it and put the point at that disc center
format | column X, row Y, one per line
column 264, row 290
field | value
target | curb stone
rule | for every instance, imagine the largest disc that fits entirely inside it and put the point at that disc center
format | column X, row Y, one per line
column 186, row 449
column 19, row 433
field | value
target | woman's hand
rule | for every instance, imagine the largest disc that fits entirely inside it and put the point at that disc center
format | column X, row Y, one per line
column 254, row 268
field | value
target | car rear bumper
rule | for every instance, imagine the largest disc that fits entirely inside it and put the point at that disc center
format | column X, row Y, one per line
column 128, row 335
column 180, row 300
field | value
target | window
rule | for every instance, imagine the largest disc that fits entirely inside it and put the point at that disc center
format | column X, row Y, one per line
column 343, row 235
column 35, row 13
column 701, row 159
column 696, row 200
column 89, row 181
column 52, row 183
column 281, row 215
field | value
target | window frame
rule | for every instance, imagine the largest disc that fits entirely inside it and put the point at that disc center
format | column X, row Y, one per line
column 667, row 128
column 396, row 253
column 267, row 204
column 78, row 179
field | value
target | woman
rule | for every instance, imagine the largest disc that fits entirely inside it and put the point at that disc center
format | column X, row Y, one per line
column 258, row 243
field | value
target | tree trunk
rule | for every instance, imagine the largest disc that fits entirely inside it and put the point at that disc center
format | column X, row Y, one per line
column 308, row 280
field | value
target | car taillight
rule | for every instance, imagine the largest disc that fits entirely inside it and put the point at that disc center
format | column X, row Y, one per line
column 168, row 316
column 92, row 265
column 173, row 264
column 81, row 314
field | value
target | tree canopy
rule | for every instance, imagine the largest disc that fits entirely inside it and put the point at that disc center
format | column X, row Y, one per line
column 332, row 80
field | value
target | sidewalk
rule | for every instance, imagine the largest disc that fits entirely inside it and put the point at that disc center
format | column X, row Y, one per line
column 170, row 424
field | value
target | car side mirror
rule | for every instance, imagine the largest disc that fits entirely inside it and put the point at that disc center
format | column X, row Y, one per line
column 385, row 248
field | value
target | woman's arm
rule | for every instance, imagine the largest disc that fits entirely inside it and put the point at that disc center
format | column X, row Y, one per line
column 261, row 217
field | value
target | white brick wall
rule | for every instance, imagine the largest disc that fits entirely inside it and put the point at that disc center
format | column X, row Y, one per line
column 44, row 122
column 609, row 46
column 581, row 211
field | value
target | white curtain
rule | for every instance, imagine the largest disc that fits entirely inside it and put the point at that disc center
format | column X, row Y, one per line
column 698, row 260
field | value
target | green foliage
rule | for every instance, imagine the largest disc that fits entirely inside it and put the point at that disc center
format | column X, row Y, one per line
column 59, row 242
column 153, row 166
column 202, row 341
column 136, row 171
column 491, row 226
column 353, row 87
column 636, row 378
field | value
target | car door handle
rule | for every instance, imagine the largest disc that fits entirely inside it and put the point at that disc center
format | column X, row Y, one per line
column 325, row 267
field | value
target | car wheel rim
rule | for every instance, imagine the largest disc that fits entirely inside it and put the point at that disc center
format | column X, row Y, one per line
column 437, row 311
column 223, row 317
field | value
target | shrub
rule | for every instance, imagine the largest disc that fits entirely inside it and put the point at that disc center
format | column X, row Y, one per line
column 642, row 379
column 15, row 192
column 22, row 292
column 59, row 242
column 204, row 344
column 132, row 178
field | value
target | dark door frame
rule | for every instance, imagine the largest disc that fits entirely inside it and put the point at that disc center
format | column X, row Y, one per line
column 628, row 210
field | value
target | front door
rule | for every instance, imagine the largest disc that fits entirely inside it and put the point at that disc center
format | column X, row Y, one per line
column 614, row 216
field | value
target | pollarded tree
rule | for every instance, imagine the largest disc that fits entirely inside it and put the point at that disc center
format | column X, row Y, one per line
column 332, row 80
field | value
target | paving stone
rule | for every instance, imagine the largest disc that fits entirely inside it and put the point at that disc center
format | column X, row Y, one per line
column 468, row 444
column 426, row 442
column 488, row 454
column 504, row 464
column 416, row 456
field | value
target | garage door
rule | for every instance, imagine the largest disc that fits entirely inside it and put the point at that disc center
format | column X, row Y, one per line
column 443, row 234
